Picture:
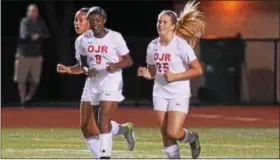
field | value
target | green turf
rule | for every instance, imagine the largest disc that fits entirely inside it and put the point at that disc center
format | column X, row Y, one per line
column 68, row 143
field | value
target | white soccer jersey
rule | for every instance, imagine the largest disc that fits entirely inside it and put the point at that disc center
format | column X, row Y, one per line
column 100, row 52
column 77, row 55
column 175, row 57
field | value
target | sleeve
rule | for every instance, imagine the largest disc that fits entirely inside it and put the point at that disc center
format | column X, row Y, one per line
column 77, row 55
column 122, row 48
column 44, row 32
column 149, row 56
column 187, row 53
column 81, row 55
column 24, row 30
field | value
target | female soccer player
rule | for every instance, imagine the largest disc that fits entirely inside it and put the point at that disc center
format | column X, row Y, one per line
column 172, row 63
column 88, row 122
column 99, row 49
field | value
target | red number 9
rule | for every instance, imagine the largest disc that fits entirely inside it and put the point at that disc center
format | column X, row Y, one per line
column 98, row 59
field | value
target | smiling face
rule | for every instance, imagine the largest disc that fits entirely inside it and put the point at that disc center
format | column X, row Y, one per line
column 81, row 24
column 165, row 25
column 96, row 22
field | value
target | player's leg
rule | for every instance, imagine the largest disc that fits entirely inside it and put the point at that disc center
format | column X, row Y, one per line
column 35, row 70
column 21, row 72
column 106, row 112
column 177, row 113
column 88, row 124
column 125, row 129
column 109, row 102
column 170, row 145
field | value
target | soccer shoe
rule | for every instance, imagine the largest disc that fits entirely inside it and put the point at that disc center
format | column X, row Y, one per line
column 195, row 146
column 129, row 135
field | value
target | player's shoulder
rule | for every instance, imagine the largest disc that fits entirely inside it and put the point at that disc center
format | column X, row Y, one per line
column 78, row 38
column 182, row 43
column 153, row 42
column 114, row 33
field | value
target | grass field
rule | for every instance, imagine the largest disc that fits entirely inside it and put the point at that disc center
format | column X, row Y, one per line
column 69, row 143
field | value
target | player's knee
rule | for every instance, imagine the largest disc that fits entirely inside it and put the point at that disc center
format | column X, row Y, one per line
column 173, row 133
column 88, row 130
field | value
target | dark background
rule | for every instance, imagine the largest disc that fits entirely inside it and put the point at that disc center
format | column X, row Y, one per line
column 132, row 19
column 136, row 20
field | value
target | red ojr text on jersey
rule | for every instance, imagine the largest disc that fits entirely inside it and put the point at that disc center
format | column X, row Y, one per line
column 98, row 49
column 164, row 58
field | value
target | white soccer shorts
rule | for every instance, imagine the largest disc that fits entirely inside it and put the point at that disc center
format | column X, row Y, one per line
column 95, row 98
column 180, row 104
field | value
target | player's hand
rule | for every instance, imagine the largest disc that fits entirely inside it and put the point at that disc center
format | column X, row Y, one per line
column 35, row 36
column 111, row 67
column 141, row 71
column 169, row 76
column 91, row 72
column 60, row 68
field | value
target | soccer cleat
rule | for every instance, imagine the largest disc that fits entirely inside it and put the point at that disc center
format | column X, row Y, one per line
column 195, row 146
column 129, row 135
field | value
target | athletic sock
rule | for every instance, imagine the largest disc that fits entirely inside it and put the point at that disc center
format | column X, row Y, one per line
column 94, row 145
column 172, row 152
column 189, row 138
column 106, row 141
column 117, row 129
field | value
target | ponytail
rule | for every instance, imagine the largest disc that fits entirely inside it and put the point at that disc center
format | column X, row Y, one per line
column 191, row 24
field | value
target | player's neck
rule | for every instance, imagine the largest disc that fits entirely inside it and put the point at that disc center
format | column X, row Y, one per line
column 100, row 34
column 166, row 39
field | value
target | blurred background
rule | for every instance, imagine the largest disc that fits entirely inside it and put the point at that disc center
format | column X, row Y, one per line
column 240, row 56
column 239, row 50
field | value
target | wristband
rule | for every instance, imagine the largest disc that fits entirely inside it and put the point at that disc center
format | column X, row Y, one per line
column 85, row 69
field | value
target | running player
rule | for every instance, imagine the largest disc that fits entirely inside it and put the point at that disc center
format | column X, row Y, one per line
column 172, row 63
column 100, row 49
column 88, row 119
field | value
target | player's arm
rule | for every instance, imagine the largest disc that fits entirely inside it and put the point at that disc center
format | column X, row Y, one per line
column 125, row 62
column 76, row 69
column 123, row 51
column 150, row 71
column 193, row 68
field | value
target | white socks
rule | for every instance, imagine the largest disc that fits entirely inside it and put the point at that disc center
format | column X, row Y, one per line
column 106, row 141
column 117, row 129
column 189, row 138
column 172, row 152
column 103, row 142
column 94, row 145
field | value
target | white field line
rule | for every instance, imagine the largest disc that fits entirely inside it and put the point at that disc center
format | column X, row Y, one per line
column 137, row 151
column 116, row 153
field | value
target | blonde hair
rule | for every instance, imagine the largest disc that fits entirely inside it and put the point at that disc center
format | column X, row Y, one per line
column 191, row 24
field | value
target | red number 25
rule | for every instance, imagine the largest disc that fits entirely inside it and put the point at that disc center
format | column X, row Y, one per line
column 162, row 67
